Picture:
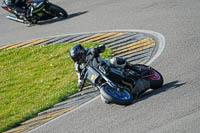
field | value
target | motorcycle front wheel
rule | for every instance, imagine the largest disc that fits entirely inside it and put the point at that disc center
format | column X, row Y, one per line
column 57, row 11
column 113, row 95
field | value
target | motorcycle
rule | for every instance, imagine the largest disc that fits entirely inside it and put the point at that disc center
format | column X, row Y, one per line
column 41, row 10
column 117, row 85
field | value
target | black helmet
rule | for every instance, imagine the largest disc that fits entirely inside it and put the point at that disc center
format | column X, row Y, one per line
column 78, row 53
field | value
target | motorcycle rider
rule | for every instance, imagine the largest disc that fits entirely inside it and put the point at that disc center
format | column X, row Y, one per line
column 79, row 55
column 20, row 8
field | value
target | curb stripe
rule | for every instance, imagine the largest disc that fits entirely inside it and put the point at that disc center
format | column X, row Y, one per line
column 143, row 52
column 111, row 37
column 138, row 61
column 6, row 46
column 73, row 37
column 68, row 38
column 53, row 40
column 103, row 37
column 146, row 40
column 124, row 41
column 91, row 37
column 133, row 46
column 125, row 35
column 142, row 57
column 136, row 50
column 146, row 55
column 37, row 42
column 79, row 38
column 21, row 44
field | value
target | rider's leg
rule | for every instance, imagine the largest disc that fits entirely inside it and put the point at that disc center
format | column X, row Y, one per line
column 138, row 69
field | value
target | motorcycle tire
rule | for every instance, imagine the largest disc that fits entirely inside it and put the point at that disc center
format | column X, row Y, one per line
column 112, row 95
column 105, row 100
column 57, row 11
column 155, row 78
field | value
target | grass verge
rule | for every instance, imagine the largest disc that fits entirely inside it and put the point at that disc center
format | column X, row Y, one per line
column 35, row 78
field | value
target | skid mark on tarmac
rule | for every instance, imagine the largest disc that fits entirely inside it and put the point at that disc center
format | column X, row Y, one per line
column 137, row 46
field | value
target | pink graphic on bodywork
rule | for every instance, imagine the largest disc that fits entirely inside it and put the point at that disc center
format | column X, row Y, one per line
column 154, row 76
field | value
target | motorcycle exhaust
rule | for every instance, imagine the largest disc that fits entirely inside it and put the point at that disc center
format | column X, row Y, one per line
column 15, row 19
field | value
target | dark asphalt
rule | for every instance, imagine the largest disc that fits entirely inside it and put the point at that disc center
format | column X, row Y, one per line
column 175, row 107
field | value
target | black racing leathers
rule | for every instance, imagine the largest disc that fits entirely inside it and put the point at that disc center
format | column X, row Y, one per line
column 80, row 67
column 114, row 62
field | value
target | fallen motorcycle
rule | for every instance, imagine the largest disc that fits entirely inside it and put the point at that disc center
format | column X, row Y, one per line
column 41, row 10
column 119, row 85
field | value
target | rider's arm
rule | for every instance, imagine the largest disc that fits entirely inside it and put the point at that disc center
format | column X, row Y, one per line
column 97, row 50
column 80, row 80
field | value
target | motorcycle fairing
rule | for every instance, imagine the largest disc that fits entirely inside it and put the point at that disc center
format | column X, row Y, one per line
column 5, row 7
column 92, row 75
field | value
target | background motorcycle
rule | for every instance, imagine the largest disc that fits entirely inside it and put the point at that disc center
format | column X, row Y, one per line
column 41, row 10
column 116, row 84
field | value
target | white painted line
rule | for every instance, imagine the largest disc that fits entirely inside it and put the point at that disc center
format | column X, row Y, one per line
column 67, row 113
column 161, row 46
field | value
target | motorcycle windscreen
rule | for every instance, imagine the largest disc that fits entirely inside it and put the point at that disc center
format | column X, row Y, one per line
column 92, row 75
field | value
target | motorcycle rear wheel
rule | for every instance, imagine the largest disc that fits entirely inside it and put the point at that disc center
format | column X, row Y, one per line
column 112, row 95
column 155, row 78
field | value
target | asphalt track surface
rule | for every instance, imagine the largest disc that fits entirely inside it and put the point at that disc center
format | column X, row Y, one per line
column 173, row 108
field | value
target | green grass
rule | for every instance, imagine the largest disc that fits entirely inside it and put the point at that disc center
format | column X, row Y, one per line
column 33, row 79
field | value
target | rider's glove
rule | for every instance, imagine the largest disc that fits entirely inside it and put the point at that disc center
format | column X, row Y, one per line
column 101, row 48
column 80, row 84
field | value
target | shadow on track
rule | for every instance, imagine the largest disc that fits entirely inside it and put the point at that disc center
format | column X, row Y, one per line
column 58, row 19
column 166, row 87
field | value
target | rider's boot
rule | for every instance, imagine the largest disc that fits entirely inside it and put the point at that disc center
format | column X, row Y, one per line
column 140, row 86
